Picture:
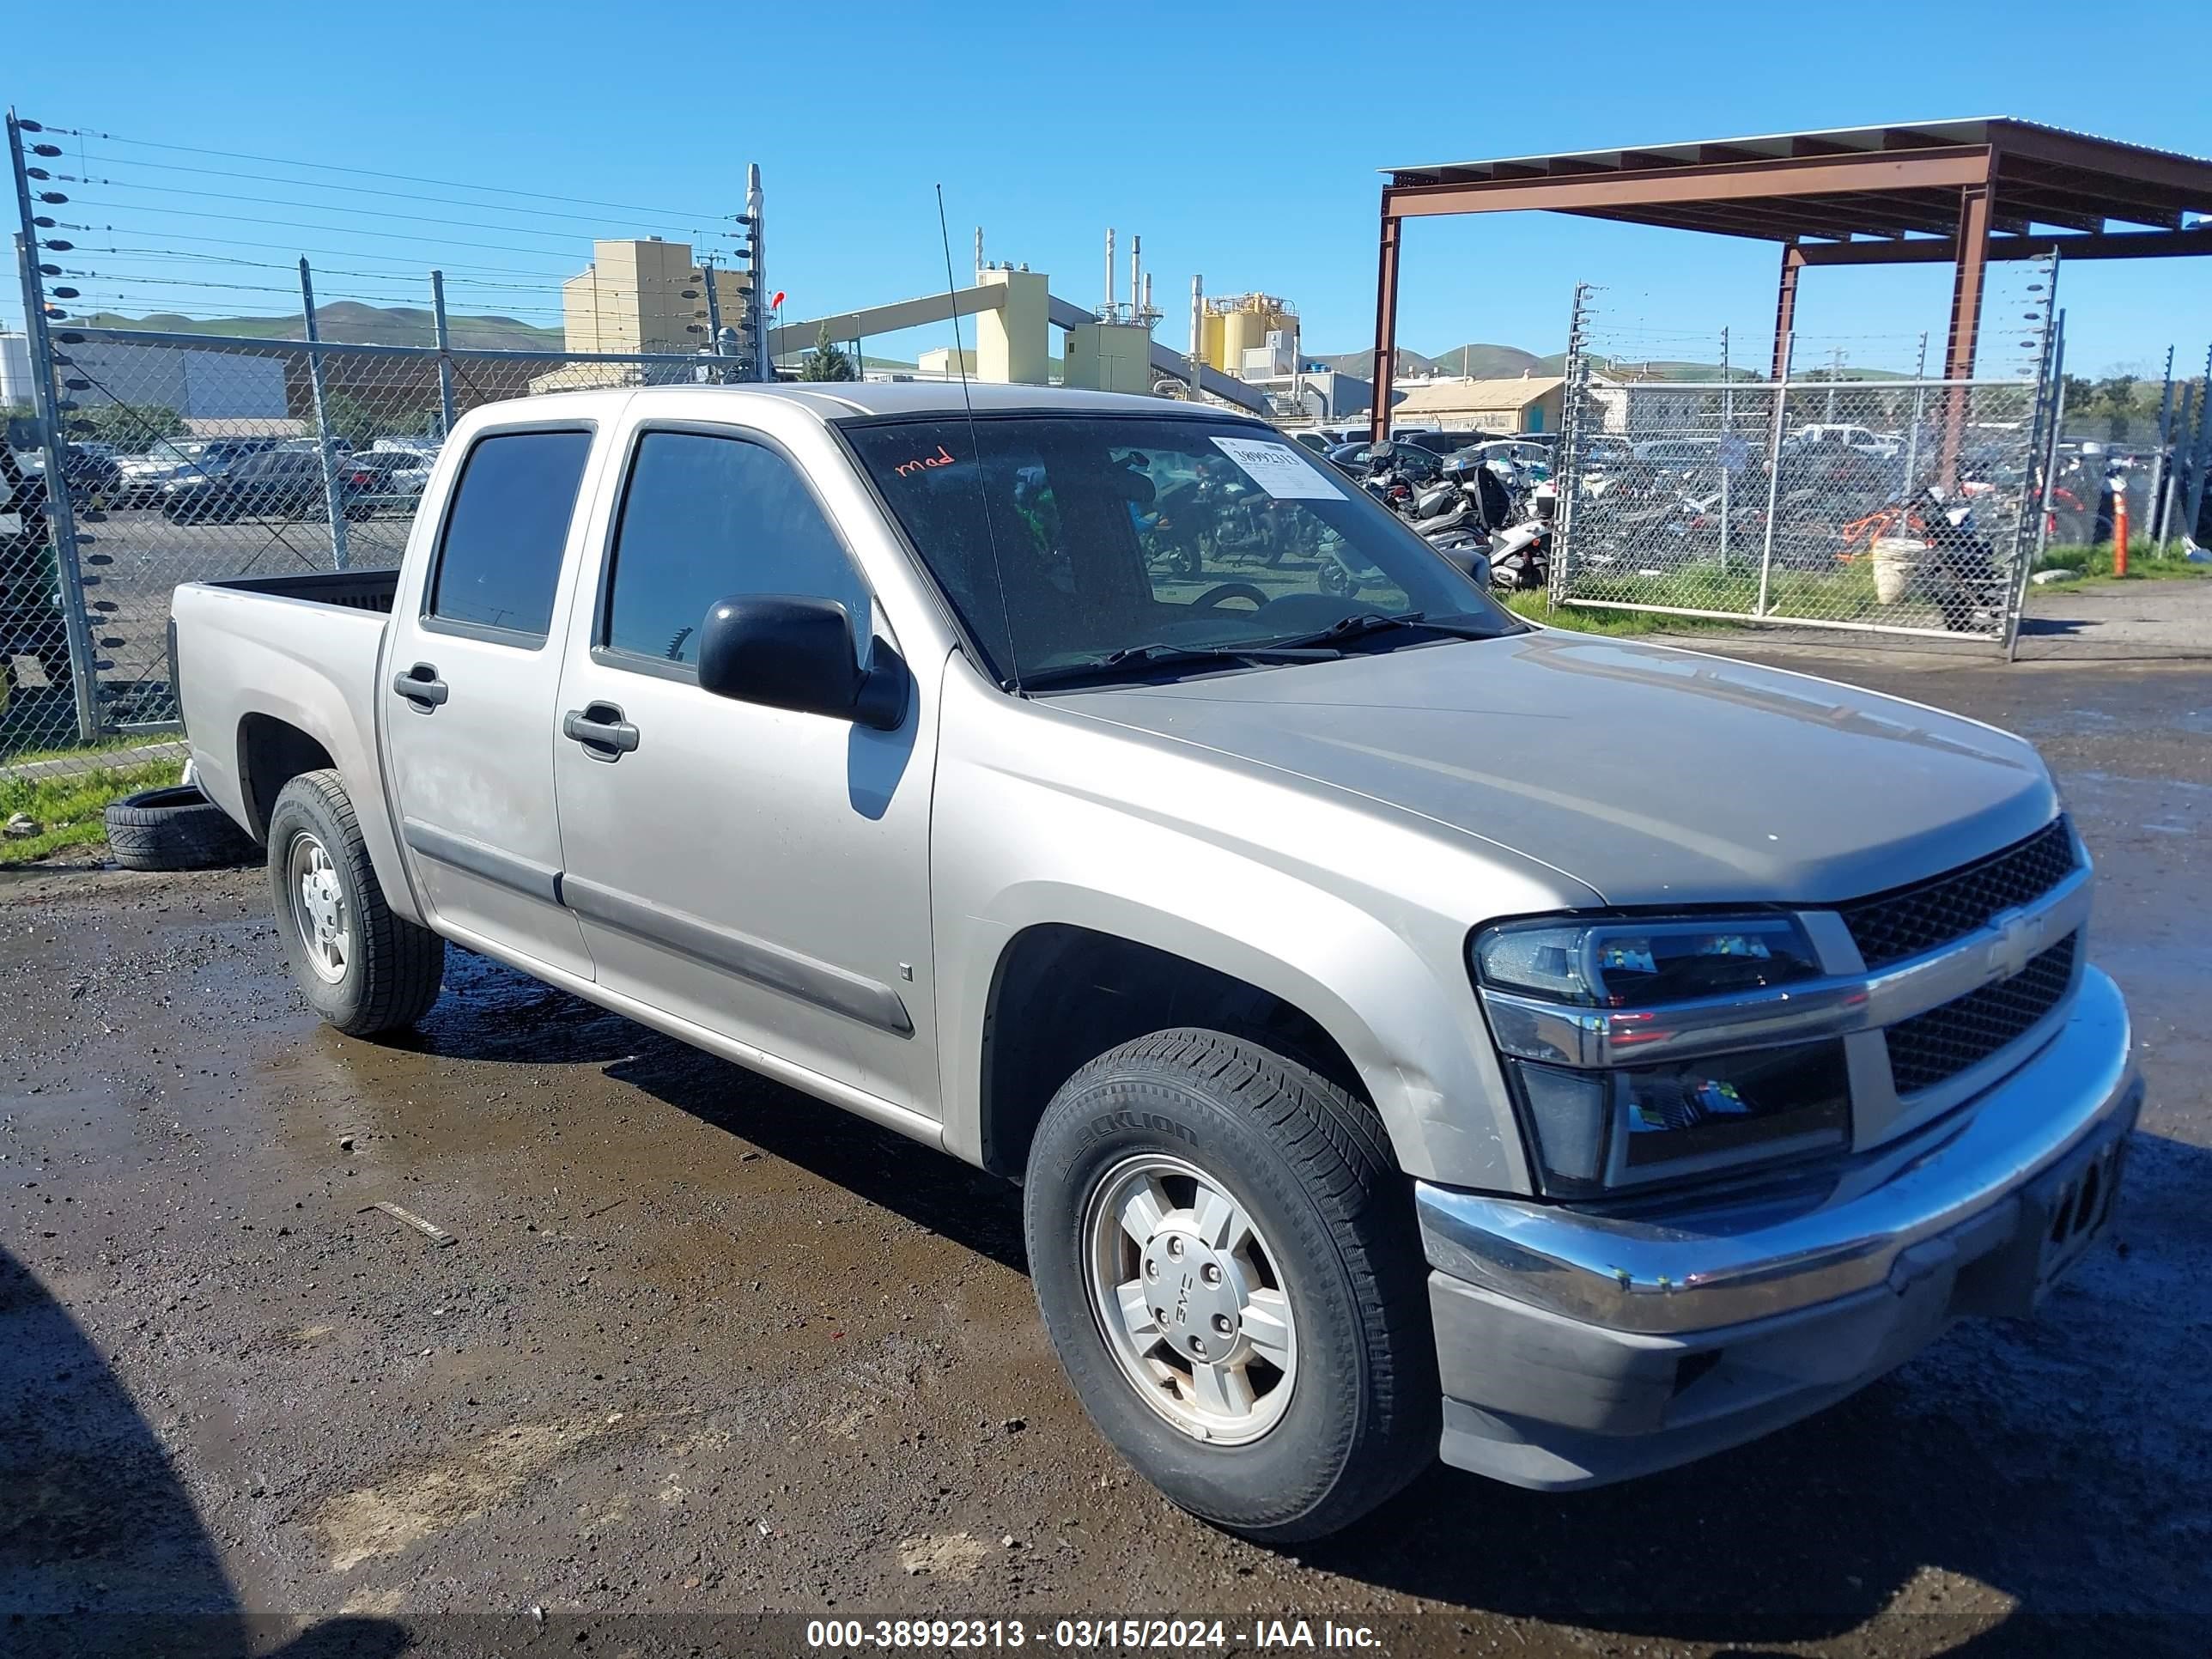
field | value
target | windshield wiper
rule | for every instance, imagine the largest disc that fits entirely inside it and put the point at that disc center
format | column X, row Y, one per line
column 1116, row 663
column 1376, row 622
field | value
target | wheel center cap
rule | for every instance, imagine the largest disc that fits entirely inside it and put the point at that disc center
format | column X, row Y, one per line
column 1194, row 1294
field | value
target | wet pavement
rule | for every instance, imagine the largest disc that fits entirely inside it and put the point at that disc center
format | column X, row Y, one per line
column 704, row 1348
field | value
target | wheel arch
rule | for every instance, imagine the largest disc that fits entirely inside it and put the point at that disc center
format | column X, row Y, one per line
column 1407, row 1050
column 1062, row 994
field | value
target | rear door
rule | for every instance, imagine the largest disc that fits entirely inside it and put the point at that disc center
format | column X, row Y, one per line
column 757, row 872
column 470, row 682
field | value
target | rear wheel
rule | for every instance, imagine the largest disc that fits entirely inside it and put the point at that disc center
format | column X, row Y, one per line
column 1228, row 1268
column 363, row 968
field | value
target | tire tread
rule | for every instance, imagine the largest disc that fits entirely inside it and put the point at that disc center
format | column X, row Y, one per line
column 404, row 962
column 1339, row 1150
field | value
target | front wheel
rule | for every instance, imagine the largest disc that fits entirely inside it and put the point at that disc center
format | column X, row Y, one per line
column 360, row 966
column 1227, row 1263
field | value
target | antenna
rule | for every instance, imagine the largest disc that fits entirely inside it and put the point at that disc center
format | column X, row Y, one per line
column 975, row 447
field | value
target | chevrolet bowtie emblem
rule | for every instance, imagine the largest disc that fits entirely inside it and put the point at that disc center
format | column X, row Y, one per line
column 2020, row 937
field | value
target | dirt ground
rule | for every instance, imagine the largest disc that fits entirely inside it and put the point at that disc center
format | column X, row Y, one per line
column 703, row 1351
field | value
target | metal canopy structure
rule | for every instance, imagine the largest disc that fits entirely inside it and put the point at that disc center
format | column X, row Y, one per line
column 1962, row 193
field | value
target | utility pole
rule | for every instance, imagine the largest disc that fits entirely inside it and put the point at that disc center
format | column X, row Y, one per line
column 1197, row 337
column 764, row 366
column 445, row 354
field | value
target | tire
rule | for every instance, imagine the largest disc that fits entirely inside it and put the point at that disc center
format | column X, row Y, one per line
column 174, row 829
column 1330, row 1230
column 362, row 969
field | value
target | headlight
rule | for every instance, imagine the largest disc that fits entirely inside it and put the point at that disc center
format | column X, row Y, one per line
column 1548, row 985
column 1637, row 964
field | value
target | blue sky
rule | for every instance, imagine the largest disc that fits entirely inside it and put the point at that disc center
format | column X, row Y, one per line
column 1241, row 141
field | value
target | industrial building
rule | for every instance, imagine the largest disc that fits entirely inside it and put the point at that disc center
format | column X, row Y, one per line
column 1525, row 402
column 649, row 295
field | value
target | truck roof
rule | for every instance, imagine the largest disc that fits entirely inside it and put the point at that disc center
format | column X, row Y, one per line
column 857, row 400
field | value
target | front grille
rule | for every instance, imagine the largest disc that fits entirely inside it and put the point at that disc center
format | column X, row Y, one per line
column 1930, row 1048
column 1907, row 921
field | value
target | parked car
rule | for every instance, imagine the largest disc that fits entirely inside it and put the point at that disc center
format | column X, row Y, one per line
column 90, row 469
column 1882, row 447
column 284, row 483
column 1448, row 443
column 141, row 478
column 1415, row 464
column 1414, row 1030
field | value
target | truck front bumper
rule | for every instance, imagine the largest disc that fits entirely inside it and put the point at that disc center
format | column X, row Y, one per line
column 1576, row 1350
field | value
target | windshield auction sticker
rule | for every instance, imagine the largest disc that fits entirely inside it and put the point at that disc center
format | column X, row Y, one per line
column 1279, row 470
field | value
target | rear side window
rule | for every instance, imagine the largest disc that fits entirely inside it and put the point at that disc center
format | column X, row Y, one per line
column 499, row 559
column 706, row 518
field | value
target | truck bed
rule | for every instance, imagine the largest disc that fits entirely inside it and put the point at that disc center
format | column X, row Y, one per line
column 297, row 654
column 357, row 590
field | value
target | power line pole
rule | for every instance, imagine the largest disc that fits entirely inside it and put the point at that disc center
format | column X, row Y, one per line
column 764, row 366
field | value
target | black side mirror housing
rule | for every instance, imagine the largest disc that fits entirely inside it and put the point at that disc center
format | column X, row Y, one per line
column 786, row 651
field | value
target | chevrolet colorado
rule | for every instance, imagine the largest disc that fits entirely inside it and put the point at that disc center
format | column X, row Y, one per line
column 1414, row 1031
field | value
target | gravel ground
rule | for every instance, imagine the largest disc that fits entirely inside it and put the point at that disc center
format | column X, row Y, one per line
column 703, row 1350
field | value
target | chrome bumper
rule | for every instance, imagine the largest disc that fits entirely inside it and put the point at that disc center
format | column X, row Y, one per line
column 1575, row 1349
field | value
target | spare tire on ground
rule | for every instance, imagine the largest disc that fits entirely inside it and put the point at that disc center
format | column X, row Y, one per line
column 176, row 828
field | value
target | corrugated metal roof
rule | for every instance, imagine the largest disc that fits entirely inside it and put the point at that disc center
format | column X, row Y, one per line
column 1972, row 130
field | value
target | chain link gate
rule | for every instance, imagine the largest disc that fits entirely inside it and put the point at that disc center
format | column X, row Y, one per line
column 316, row 462
column 1891, row 502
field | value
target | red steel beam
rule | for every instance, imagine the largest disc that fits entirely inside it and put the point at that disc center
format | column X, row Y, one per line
column 1954, row 167
column 1785, row 310
column 1386, row 327
column 2124, row 245
column 1973, row 253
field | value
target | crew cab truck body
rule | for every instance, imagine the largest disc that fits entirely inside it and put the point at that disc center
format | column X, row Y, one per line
column 1413, row 1030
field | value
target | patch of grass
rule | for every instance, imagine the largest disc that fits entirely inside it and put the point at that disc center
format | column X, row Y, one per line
column 97, row 747
column 2164, row 563
column 67, row 806
column 1583, row 619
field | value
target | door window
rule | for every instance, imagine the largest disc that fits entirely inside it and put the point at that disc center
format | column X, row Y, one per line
column 500, row 560
column 705, row 518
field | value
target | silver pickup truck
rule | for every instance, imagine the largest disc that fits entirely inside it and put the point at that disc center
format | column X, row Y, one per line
column 1414, row 1031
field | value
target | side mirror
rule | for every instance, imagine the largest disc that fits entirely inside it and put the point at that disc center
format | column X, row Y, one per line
column 788, row 651
column 1468, row 559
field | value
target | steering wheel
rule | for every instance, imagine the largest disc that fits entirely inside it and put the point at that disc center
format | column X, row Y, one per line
column 1214, row 596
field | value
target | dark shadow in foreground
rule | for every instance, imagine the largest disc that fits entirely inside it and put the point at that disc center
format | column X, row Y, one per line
column 101, row 1551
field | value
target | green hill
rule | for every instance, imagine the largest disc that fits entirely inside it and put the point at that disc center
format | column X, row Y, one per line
column 351, row 323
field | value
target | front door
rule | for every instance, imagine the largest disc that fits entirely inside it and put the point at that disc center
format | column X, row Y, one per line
column 759, row 872
column 470, row 683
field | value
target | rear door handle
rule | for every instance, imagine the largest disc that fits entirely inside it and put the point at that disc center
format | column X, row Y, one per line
column 601, row 729
column 421, row 686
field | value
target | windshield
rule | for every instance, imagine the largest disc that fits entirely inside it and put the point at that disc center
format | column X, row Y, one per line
column 1116, row 534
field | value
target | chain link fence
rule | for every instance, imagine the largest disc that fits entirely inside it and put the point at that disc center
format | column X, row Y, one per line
column 1837, row 498
column 222, row 456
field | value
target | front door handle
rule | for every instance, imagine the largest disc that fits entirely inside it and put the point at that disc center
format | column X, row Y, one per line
column 421, row 686
column 601, row 729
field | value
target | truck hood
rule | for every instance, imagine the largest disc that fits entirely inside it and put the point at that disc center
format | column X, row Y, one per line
column 1651, row 775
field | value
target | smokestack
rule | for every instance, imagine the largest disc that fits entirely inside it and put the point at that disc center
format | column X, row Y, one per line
column 1148, row 293
column 1136, row 274
column 1109, row 272
column 978, row 248
column 1197, row 333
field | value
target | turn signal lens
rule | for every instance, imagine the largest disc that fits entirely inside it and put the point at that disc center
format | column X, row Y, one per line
column 1598, row 1131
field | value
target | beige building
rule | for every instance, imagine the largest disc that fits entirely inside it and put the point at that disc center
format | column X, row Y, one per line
column 647, row 295
column 1528, row 403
